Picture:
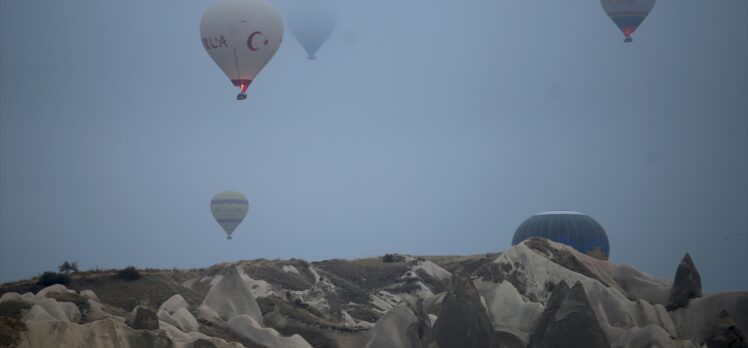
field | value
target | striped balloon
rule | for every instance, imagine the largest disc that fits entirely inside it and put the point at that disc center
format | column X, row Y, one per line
column 627, row 14
column 574, row 229
column 229, row 209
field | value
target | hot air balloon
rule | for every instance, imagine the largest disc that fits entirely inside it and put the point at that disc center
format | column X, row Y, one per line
column 627, row 14
column 311, row 22
column 572, row 228
column 241, row 36
column 229, row 209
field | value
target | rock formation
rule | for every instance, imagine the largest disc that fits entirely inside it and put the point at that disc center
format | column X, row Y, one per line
column 509, row 312
column 145, row 319
column 420, row 333
column 203, row 343
column 175, row 311
column 569, row 321
column 512, row 299
column 463, row 321
column 391, row 330
column 687, row 285
column 725, row 334
column 695, row 322
column 230, row 297
column 560, row 291
column 247, row 327
column 106, row 333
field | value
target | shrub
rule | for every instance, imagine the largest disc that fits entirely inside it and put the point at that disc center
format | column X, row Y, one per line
column 389, row 258
column 129, row 273
column 51, row 278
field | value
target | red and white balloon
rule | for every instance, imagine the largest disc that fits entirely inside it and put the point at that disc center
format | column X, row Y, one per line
column 241, row 36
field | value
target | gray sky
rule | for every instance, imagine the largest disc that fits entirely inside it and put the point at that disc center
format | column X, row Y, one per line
column 424, row 127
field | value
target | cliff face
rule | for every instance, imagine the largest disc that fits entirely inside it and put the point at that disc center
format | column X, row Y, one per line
column 537, row 292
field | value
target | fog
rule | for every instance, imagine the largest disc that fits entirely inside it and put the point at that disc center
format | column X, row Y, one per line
column 423, row 127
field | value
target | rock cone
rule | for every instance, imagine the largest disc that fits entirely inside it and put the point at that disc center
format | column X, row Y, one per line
column 569, row 321
column 463, row 321
column 687, row 284
column 725, row 333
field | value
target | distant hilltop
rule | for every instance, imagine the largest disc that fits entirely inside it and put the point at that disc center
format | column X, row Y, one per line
column 537, row 293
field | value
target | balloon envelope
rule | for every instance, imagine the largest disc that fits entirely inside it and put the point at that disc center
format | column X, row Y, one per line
column 574, row 229
column 229, row 209
column 241, row 36
column 627, row 14
column 311, row 22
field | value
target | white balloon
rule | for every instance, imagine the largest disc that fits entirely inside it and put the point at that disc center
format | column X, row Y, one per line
column 229, row 209
column 241, row 36
column 311, row 22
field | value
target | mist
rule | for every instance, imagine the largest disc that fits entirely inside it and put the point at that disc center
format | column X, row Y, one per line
column 423, row 127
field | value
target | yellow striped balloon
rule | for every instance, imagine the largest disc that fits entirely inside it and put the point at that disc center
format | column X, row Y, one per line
column 229, row 209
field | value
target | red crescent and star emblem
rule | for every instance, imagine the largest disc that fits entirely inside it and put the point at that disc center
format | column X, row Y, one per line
column 252, row 43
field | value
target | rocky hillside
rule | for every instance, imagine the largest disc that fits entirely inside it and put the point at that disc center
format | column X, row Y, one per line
column 537, row 293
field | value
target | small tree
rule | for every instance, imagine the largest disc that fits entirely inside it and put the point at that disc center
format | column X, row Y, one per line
column 67, row 267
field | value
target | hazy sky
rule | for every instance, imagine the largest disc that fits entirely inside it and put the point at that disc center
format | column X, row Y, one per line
column 424, row 127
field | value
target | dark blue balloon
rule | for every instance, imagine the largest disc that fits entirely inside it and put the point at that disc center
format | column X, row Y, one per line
column 577, row 230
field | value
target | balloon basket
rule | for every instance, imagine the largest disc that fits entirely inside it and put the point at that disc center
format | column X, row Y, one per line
column 628, row 39
column 311, row 57
column 241, row 96
column 228, row 237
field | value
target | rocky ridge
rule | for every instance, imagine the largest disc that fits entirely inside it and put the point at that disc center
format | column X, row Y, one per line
column 535, row 293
